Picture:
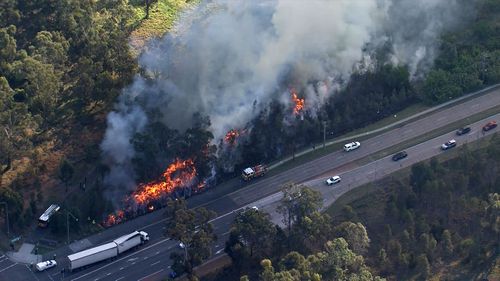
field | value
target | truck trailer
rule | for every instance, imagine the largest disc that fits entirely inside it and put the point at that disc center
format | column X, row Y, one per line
column 107, row 251
column 253, row 172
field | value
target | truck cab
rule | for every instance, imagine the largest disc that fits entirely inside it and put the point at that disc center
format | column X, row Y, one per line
column 144, row 236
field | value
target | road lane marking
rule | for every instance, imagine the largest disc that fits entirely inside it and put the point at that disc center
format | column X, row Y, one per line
column 36, row 278
column 109, row 273
column 120, row 278
column 157, row 253
column 125, row 257
column 155, row 263
column 8, row 267
column 150, row 275
column 121, row 268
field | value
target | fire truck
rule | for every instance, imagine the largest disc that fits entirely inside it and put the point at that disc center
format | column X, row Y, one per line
column 253, row 172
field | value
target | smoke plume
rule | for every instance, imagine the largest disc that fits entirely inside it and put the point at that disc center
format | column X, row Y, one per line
column 227, row 57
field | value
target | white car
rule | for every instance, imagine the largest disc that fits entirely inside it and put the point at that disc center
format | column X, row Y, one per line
column 449, row 144
column 333, row 180
column 182, row 246
column 352, row 145
column 41, row 266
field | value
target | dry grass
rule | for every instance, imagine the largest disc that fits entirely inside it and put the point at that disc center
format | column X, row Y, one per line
column 162, row 16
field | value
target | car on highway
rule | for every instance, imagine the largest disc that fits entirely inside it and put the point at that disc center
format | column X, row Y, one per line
column 41, row 266
column 400, row 155
column 490, row 126
column 463, row 131
column 351, row 146
column 449, row 144
column 333, row 180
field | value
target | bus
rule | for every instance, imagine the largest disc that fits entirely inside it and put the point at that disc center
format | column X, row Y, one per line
column 43, row 221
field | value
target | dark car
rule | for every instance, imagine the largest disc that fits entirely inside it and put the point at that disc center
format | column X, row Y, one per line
column 463, row 131
column 400, row 155
column 489, row 126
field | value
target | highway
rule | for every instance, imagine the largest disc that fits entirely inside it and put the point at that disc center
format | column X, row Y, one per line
column 152, row 260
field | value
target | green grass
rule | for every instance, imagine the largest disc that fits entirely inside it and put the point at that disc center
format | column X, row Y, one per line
column 162, row 16
column 320, row 151
column 435, row 133
column 370, row 198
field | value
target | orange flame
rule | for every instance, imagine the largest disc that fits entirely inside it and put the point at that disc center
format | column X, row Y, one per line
column 231, row 136
column 114, row 218
column 299, row 103
column 178, row 174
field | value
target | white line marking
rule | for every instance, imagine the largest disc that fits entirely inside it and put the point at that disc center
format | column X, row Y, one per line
column 36, row 278
column 157, row 253
column 121, row 268
column 132, row 254
column 109, row 273
column 48, row 275
column 8, row 267
column 155, row 263
column 120, row 278
column 150, row 274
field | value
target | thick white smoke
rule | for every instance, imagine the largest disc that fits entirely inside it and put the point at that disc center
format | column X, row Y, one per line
column 228, row 55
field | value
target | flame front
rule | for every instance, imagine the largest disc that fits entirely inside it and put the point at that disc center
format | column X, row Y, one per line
column 231, row 136
column 299, row 103
column 178, row 174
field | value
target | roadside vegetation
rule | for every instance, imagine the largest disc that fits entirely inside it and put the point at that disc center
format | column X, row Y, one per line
column 439, row 221
column 63, row 64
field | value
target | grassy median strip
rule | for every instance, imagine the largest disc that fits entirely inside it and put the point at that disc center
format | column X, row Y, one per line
column 377, row 192
column 430, row 135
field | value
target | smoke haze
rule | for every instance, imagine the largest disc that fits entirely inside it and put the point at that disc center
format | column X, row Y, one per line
column 227, row 55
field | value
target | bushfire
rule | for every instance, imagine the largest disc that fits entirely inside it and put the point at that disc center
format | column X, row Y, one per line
column 179, row 174
column 299, row 103
column 231, row 136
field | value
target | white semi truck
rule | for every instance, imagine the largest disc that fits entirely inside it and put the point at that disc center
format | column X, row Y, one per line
column 108, row 250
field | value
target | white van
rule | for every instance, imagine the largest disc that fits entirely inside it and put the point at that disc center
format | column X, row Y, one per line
column 352, row 145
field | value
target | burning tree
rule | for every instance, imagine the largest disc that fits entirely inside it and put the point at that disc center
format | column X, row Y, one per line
column 231, row 136
column 299, row 103
column 180, row 174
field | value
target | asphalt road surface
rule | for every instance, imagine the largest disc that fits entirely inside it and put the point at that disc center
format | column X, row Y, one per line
column 151, row 261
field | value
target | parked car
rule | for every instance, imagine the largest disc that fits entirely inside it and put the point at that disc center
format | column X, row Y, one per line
column 352, row 145
column 489, row 126
column 333, row 180
column 400, row 155
column 449, row 144
column 41, row 266
column 463, row 131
